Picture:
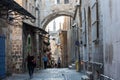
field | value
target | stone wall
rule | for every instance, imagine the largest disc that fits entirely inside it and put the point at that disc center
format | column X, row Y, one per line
column 91, row 36
column 5, row 29
column 17, row 59
column 50, row 10
column 110, row 10
column 64, row 54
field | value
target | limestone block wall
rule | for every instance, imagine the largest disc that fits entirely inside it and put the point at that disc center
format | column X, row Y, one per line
column 30, row 6
column 111, row 30
column 64, row 54
column 5, row 29
column 16, row 54
column 51, row 8
column 70, row 47
column 91, row 35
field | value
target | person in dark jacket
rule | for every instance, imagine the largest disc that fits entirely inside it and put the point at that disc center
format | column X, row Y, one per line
column 59, row 62
column 31, row 64
column 45, row 60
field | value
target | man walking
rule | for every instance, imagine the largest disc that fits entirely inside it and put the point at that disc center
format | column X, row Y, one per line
column 31, row 64
column 59, row 62
column 45, row 60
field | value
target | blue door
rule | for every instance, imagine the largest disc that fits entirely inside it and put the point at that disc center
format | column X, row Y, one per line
column 2, row 56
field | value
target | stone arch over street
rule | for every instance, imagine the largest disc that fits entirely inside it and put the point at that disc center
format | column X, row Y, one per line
column 54, row 15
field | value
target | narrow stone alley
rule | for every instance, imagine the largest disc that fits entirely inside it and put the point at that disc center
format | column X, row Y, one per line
column 68, row 37
column 49, row 74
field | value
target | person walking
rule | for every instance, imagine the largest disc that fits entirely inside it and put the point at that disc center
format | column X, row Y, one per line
column 59, row 62
column 31, row 63
column 45, row 60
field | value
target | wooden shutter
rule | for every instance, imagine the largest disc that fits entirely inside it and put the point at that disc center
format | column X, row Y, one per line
column 84, row 27
column 94, row 17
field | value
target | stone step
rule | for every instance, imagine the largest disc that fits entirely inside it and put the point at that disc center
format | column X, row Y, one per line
column 85, row 77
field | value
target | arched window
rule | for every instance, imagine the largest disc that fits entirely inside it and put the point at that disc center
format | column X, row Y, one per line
column 29, row 39
column 29, row 43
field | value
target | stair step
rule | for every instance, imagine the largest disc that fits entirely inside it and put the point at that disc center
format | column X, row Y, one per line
column 85, row 77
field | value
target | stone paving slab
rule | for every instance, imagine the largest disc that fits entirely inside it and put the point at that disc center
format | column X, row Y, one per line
column 49, row 74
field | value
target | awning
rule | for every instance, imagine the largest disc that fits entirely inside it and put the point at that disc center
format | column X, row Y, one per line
column 39, row 29
column 34, row 28
column 12, row 5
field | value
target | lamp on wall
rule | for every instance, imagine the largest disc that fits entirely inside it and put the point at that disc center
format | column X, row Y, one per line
column 74, row 25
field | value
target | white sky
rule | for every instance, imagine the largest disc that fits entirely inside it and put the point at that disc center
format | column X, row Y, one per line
column 58, row 20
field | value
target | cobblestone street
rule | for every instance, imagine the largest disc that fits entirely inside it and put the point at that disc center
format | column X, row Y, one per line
column 59, row 40
column 49, row 74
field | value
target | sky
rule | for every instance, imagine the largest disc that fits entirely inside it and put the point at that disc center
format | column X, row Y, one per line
column 58, row 21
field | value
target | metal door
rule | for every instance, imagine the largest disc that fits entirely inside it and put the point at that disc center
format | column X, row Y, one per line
column 2, row 56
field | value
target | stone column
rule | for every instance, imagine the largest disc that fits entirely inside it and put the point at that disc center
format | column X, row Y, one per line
column 37, row 50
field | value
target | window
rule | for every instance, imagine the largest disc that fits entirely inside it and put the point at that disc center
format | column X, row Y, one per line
column 29, row 39
column 94, row 18
column 66, row 1
column 84, row 27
